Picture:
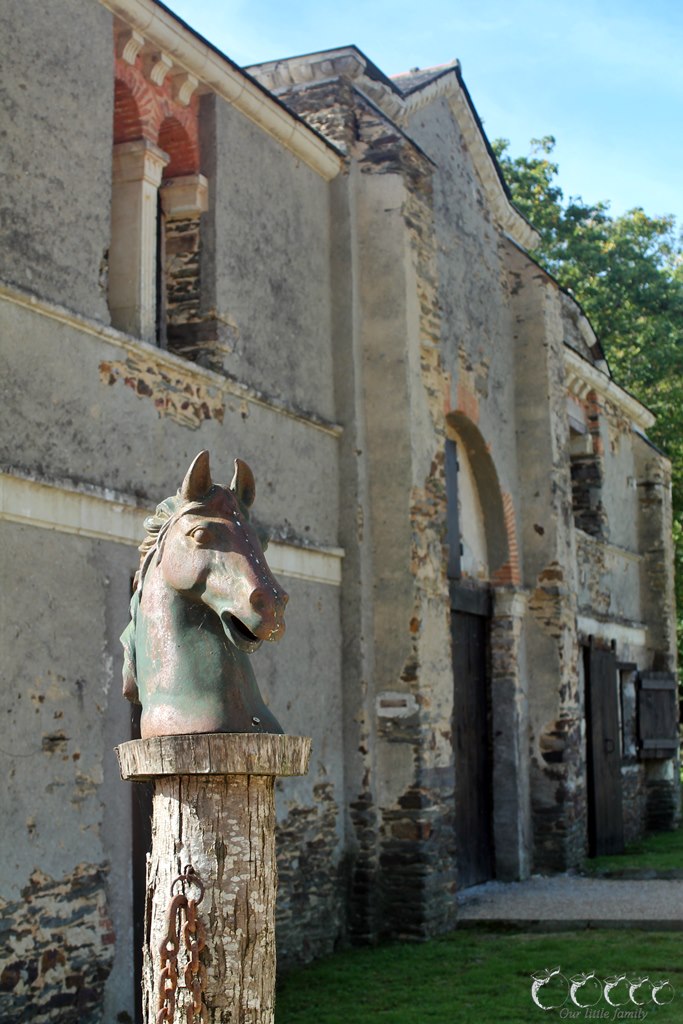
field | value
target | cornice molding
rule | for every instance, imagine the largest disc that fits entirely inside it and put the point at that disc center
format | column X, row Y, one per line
column 607, row 629
column 582, row 377
column 448, row 86
column 347, row 62
column 503, row 211
column 199, row 65
column 102, row 514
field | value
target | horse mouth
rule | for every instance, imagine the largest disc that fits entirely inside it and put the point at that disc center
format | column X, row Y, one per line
column 240, row 635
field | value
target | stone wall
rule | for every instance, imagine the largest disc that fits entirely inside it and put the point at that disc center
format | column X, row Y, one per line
column 108, row 417
column 265, row 267
column 57, row 162
column 57, row 948
column 555, row 693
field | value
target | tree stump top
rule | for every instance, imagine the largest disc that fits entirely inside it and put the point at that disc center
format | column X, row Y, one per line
column 216, row 753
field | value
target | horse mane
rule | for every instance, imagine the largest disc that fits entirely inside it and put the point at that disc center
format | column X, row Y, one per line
column 156, row 526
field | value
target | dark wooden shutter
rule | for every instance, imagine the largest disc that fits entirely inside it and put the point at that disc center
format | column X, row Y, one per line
column 657, row 715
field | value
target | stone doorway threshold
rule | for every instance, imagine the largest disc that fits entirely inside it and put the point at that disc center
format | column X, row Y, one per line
column 571, row 901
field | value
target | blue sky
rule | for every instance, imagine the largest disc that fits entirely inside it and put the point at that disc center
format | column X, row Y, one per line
column 604, row 77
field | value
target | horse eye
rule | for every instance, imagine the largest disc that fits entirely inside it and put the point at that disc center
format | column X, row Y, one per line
column 201, row 535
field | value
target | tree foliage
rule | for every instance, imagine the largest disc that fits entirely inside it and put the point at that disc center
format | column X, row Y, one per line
column 627, row 274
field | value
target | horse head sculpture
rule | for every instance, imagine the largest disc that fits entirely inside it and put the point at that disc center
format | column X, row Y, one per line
column 204, row 600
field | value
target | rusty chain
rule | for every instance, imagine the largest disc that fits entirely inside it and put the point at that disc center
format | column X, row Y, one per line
column 194, row 939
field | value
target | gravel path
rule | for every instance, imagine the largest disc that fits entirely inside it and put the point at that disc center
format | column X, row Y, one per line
column 572, row 901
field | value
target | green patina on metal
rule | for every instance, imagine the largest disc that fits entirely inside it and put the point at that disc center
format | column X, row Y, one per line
column 204, row 601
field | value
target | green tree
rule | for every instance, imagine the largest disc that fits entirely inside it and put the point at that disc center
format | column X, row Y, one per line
column 627, row 274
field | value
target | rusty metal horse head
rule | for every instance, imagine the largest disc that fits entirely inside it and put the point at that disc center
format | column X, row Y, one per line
column 205, row 599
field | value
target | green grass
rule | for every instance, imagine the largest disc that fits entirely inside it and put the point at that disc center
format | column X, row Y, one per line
column 474, row 976
column 661, row 851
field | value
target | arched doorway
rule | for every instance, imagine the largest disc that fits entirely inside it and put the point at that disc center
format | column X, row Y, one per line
column 477, row 544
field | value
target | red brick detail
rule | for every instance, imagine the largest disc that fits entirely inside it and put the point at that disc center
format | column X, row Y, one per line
column 127, row 124
column 174, row 140
column 594, row 410
column 509, row 573
column 148, row 111
column 467, row 402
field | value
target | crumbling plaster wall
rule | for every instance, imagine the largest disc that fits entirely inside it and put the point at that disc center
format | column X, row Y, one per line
column 655, row 543
column 65, row 877
column 123, row 415
column 477, row 350
column 473, row 361
column 556, row 710
column 57, row 64
column 355, row 536
column 659, row 790
column 383, row 298
column 625, row 594
column 368, row 275
column 620, row 482
column 379, row 376
column 119, row 416
column 609, row 562
column 96, row 427
column 414, row 358
column 266, row 263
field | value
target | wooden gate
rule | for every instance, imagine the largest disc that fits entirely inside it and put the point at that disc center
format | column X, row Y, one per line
column 605, row 813
column 472, row 737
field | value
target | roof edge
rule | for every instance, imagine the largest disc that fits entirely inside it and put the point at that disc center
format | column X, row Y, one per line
column 450, row 84
column 351, row 50
column 579, row 368
column 160, row 26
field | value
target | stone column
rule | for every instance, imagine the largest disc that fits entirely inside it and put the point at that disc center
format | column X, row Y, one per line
column 214, row 809
column 136, row 176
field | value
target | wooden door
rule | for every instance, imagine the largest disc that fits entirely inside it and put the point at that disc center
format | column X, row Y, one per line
column 605, row 812
column 472, row 747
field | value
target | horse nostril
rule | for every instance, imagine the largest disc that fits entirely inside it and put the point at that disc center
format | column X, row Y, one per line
column 258, row 600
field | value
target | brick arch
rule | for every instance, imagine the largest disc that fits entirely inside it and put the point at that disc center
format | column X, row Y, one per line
column 156, row 105
column 127, row 121
column 497, row 507
column 175, row 140
column 143, row 95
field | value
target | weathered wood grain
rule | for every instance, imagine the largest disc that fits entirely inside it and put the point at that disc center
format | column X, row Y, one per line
column 214, row 809
column 214, row 754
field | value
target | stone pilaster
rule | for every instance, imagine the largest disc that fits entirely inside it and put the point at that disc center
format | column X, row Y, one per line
column 137, row 170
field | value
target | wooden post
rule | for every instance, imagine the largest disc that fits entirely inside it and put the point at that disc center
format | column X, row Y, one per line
column 214, row 809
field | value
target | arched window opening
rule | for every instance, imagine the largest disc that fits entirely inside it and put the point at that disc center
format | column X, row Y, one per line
column 127, row 120
column 485, row 530
column 137, row 166
column 158, row 197
column 182, row 155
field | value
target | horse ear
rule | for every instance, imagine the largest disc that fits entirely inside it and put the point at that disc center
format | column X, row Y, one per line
column 243, row 484
column 197, row 482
